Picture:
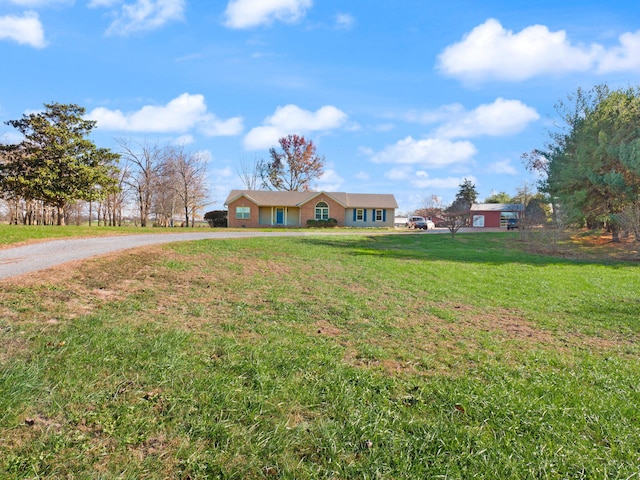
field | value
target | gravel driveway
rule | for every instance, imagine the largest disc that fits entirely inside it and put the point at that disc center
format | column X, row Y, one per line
column 16, row 261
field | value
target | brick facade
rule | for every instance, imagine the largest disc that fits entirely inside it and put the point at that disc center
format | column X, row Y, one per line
column 252, row 222
column 308, row 210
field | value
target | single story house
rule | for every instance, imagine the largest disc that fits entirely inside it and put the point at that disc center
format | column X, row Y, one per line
column 494, row 215
column 265, row 208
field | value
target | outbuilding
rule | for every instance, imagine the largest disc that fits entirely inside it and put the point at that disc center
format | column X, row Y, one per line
column 495, row 215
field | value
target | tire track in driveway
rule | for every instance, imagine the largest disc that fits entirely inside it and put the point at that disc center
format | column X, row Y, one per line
column 15, row 261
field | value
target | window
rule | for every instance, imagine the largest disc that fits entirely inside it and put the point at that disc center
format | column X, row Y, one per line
column 360, row 214
column 243, row 212
column 322, row 211
column 379, row 216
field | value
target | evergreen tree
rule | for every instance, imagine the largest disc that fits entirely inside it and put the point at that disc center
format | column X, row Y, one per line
column 55, row 162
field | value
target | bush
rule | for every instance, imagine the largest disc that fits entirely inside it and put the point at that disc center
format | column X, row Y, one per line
column 216, row 218
column 329, row 223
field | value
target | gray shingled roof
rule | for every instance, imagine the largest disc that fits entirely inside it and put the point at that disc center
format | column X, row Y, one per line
column 295, row 199
column 497, row 207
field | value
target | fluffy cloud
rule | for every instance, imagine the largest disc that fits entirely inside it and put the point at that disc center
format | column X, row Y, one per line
column 344, row 21
column 251, row 13
column 38, row 3
column 625, row 57
column 503, row 167
column 178, row 116
column 422, row 180
column 330, row 181
column 142, row 15
column 25, row 29
column 292, row 119
column 500, row 118
column 490, row 51
column 428, row 153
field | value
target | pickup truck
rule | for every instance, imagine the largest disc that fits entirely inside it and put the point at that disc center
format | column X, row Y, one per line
column 416, row 222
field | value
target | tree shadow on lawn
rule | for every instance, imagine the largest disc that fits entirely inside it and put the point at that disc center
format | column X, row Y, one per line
column 485, row 248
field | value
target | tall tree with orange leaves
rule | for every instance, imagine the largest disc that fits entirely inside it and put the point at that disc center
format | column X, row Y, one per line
column 293, row 167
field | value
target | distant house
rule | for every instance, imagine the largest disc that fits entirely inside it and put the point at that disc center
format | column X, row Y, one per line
column 264, row 208
column 400, row 221
column 494, row 215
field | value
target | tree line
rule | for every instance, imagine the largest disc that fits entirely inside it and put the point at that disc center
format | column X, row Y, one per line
column 590, row 164
column 56, row 170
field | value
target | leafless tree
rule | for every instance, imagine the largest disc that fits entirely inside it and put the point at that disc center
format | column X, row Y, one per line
column 187, row 171
column 431, row 207
column 250, row 173
column 456, row 215
column 143, row 161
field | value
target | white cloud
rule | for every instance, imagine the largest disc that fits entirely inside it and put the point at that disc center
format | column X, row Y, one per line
column 422, row 180
column 330, row 181
column 25, row 29
column 490, row 51
column 292, row 119
column 142, row 15
column 344, row 21
column 625, row 57
column 500, row 118
column 503, row 167
column 178, row 116
column 38, row 3
column 251, row 13
column 428, row 153
column 185, row 139
column 226, row 172
column 399, row 174
column 362, row 175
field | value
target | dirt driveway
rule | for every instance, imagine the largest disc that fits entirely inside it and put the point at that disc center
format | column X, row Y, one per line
column 16, row 261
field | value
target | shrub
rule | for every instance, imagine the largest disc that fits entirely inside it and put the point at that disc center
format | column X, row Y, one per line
column 329, row 223
column 216, row 218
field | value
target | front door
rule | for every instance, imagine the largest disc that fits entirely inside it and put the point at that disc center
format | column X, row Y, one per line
column 279, row 216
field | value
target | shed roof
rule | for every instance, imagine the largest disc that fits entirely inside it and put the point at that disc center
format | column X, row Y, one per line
column 497, row 207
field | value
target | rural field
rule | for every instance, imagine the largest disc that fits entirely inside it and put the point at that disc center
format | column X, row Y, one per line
column 380, row 356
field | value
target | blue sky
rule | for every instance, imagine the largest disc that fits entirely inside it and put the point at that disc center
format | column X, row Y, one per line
column 408, row 97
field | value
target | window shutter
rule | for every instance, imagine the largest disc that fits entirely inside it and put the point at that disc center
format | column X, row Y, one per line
column 373, row 214
column 384, row 215
column 354, row 214
column 365, row 214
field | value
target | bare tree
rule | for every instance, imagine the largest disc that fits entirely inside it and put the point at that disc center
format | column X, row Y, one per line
column 431, row 207
column 188, row 173
column 250, row 173
column 144, row 163
column 457, row 215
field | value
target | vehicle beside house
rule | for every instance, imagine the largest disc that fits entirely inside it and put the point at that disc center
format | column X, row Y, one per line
column 421, row 223
column 266, row 208
column 513, row 224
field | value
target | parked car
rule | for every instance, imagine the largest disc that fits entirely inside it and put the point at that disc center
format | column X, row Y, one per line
column 512, row 224
column 417, row 222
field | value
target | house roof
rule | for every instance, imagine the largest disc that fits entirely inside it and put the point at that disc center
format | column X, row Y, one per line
column 497, row 207
column 267, row 198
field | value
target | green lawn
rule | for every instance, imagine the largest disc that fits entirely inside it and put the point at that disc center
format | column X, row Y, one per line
column 15, row 234
column 362, row 357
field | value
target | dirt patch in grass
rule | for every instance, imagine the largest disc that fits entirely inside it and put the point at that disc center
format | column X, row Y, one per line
column 584, row 245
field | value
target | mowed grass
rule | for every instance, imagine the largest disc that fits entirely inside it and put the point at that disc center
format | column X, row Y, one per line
column 362, row 357
column 19, row 234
